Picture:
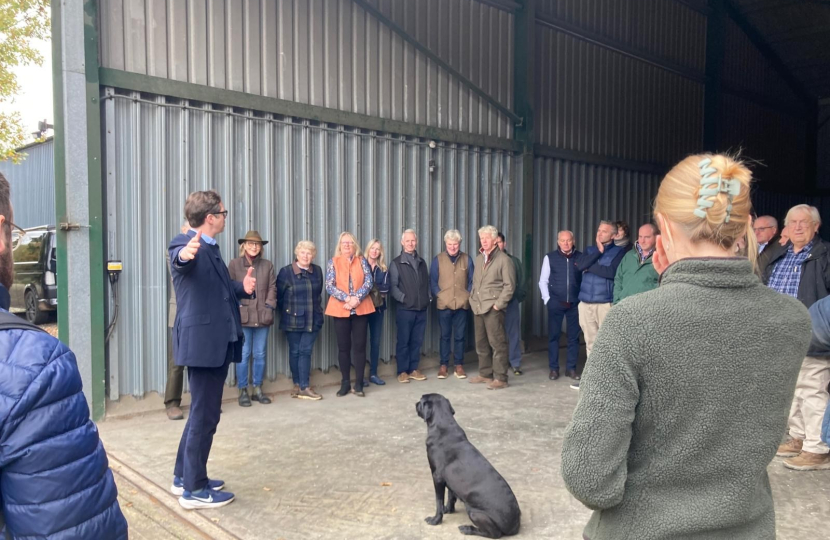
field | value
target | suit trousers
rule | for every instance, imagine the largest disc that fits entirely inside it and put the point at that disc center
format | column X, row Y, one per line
column 557, row 311
column 175, row 377
column 491, row 345
column 206, row 385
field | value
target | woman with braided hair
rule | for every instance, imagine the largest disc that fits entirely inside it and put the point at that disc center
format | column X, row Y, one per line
column 678, row 420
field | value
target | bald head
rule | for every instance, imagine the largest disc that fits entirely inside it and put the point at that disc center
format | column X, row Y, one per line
column 565, row 239
column 647, row 237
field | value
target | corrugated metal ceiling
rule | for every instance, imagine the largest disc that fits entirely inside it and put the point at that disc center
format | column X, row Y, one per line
column 799, row 33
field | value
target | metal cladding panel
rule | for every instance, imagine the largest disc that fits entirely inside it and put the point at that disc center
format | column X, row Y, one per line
column 575, row 196
column 290, row 179
column 32, row 185
column 775, row 141
column 745, row 67
column 591, row 99
column 668, row 29
column 329, row 53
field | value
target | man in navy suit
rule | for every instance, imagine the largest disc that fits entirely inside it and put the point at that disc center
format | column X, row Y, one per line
column 207, row 337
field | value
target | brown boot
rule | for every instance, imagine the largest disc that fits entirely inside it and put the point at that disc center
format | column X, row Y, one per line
column 497, row 385
column 790, row 448
column 808, row 461
column 403, row 377
column 442, row 372
column 478, row 379
column 459, row 372
column 417, row 375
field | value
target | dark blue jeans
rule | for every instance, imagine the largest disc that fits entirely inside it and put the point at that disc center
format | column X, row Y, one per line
column 206, row 386
column 300, row 345
column 556, row 312
column 453, row 323
column 514, row 333
column 375, row 333
column 411, row 327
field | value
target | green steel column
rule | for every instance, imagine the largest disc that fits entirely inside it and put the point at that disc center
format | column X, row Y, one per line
column 79, row 192
column 524, row 87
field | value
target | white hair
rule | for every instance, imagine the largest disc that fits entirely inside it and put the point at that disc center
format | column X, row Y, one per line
column 489, row 230
column 452, row 235
column 811, row 210
column 408, row 231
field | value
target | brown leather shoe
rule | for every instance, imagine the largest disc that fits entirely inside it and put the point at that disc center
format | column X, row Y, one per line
column 497, row 385
column 459, row 372
column 417, row 375
column 442, row 372
column 403, row 377
column 553, row 375
column 174, row 413
column 808, row 461
column 790, row 448
column 295, row 392
column 478, row 379
column 308, row 393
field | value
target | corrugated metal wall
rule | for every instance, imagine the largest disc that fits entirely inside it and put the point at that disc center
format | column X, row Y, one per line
column 325, row 52
column 290, row 179
column 767, row 133
column 33, row 185
column 576, row 196
column 592, row 99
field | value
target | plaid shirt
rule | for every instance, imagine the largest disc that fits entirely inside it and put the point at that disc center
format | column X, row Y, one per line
column 299, row 295
column 786, row 275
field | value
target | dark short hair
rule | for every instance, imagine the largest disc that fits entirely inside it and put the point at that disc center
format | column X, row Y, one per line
column 624, row 226
column 501, row 237
column 199, row 205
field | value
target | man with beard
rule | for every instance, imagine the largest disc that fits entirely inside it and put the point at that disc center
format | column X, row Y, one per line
column 53, row 469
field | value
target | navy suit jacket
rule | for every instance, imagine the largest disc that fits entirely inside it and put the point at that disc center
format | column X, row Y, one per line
column 208, row 306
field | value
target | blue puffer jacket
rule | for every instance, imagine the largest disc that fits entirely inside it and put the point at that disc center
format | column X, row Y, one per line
column 565, row 280
column 599, row 271
column 55, row 480
column 820, row 342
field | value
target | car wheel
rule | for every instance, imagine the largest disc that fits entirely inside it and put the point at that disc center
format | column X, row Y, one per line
column 33, row 313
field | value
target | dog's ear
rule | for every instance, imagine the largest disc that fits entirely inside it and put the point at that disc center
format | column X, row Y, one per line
column 426, row 409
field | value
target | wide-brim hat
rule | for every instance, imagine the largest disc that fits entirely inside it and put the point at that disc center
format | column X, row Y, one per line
column 252, row 236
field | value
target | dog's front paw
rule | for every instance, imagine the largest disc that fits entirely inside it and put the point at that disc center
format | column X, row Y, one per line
column 434, row 520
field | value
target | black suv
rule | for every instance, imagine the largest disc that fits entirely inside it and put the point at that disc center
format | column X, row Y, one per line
column 35, row 289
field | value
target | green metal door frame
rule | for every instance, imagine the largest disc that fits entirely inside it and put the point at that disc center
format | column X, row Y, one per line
column 83, row 328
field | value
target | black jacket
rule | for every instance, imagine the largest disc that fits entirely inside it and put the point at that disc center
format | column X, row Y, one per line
column 409, row 282
column 815, row 272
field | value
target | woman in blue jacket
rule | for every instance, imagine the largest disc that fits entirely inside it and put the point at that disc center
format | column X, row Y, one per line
column 299, row 297
column 376, row 258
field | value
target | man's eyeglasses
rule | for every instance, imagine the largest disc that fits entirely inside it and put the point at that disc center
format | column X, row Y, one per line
column 223, row 213
column 19, row 230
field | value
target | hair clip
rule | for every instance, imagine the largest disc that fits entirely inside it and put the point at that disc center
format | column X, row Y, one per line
column 720, row 185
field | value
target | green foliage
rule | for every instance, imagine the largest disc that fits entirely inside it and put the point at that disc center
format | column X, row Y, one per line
column 21, row 22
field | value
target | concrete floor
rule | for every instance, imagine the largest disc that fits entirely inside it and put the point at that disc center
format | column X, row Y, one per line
column 356, row 468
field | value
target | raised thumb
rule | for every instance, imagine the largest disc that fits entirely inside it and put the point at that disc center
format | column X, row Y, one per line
column 198, row 236
column 250, row 271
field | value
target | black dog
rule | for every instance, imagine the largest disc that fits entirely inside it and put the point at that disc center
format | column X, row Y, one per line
column 467, row 475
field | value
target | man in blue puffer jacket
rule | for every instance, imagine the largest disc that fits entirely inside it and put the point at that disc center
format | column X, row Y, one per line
column 599, row 266
column 54, row 477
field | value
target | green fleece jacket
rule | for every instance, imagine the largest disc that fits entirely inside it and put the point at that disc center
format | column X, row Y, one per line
column 683, row 404
column 634, row 276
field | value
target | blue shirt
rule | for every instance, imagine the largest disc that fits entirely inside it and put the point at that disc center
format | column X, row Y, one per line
column 786, row 275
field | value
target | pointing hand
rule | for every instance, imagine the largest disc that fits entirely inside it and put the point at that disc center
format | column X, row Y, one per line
column 188, row 252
